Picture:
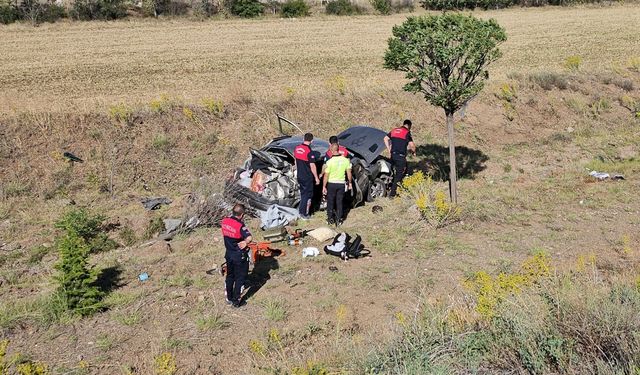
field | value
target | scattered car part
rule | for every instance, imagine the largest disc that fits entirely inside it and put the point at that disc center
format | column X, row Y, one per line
column 154, row 203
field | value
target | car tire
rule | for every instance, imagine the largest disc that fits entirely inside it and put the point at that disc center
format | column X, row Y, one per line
column 377, row 189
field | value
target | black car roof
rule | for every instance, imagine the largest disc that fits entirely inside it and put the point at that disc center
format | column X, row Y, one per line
column 289, row 144
column 366, row 141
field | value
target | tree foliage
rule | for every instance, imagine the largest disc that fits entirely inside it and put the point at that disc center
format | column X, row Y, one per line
column 444, row 57
column 295, row 8
column 86, row 10
column 76, row 279
column 245, row 8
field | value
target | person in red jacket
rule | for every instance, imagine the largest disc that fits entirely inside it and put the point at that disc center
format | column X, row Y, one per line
column 398, row 142
column 236, row 241
column 333, row 140
column 307, row 174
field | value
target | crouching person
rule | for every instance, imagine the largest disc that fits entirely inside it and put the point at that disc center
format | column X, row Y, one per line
column 236, row 241
column 337, row 172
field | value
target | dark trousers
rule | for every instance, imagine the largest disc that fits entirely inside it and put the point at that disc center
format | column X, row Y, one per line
column 335, row 197
column 306, row 195
column 237, row 270
column 400, row 168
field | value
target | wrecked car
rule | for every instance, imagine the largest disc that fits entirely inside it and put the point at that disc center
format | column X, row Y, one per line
column 268, row 176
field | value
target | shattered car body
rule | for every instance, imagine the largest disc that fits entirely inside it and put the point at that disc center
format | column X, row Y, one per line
column 268, row 177
column 372, row 172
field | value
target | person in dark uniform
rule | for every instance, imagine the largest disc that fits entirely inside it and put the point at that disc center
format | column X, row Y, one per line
column 398, row 142
column 236, row 240
column 307, row 174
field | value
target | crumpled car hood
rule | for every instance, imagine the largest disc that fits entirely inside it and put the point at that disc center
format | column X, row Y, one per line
column 290, row 143
column 365, row 141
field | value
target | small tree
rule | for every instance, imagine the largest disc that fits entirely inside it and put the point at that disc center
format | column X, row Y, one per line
column 76, row 280
column 445, row 59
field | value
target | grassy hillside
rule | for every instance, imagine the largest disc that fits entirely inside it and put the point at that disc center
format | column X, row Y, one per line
column 167, row 108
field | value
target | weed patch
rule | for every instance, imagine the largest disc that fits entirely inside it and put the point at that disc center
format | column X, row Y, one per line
column 573, row 63
column 165, row 364
column 431, row 202
column 548, row 81
column 275, row 309
column 211, row 323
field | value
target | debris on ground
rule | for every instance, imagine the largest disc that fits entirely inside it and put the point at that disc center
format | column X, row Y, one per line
column 205, row 208
column 295, row 242
column 601, row 176
column 278, row 235
column 154, row 203
column 276, row 216
column 333, row 268
column 322, row 234
column 72, row 158
column 346, row 247
column 143, row 276
column 171, row 225
column 296, row 233
column 377, row 209
column 310, row 252
column 261, row 250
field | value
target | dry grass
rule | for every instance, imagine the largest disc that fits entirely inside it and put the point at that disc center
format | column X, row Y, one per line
column 89, row 64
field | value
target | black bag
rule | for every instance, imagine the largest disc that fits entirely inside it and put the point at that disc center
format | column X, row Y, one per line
column 345, row 247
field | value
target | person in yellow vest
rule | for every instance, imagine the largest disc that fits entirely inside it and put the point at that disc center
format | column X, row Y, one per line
column 336, row 174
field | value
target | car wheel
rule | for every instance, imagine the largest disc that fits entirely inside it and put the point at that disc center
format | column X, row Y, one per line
column 377, row 189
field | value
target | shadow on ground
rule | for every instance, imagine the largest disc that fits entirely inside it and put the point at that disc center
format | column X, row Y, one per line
column 260, row 275
column 109, row 279
column 434, row 160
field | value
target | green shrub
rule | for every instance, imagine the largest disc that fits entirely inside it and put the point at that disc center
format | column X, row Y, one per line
column 76, row 279
column 37, row 12
column 495, row 4
column 382, row 6
column 98, row 9
column 295, row 8
column 245, row 8
column 465, row 4
column 89, row 228
column 52, row 13
column 8, row 13
column 342, row 8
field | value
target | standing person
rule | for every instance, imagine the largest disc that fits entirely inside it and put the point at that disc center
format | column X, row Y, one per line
column 398, row 141
column 333, row 140
column 236, row 241
column 307, row 174
column 333, row 184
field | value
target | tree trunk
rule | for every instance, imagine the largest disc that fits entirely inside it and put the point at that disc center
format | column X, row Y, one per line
column 453, row 187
